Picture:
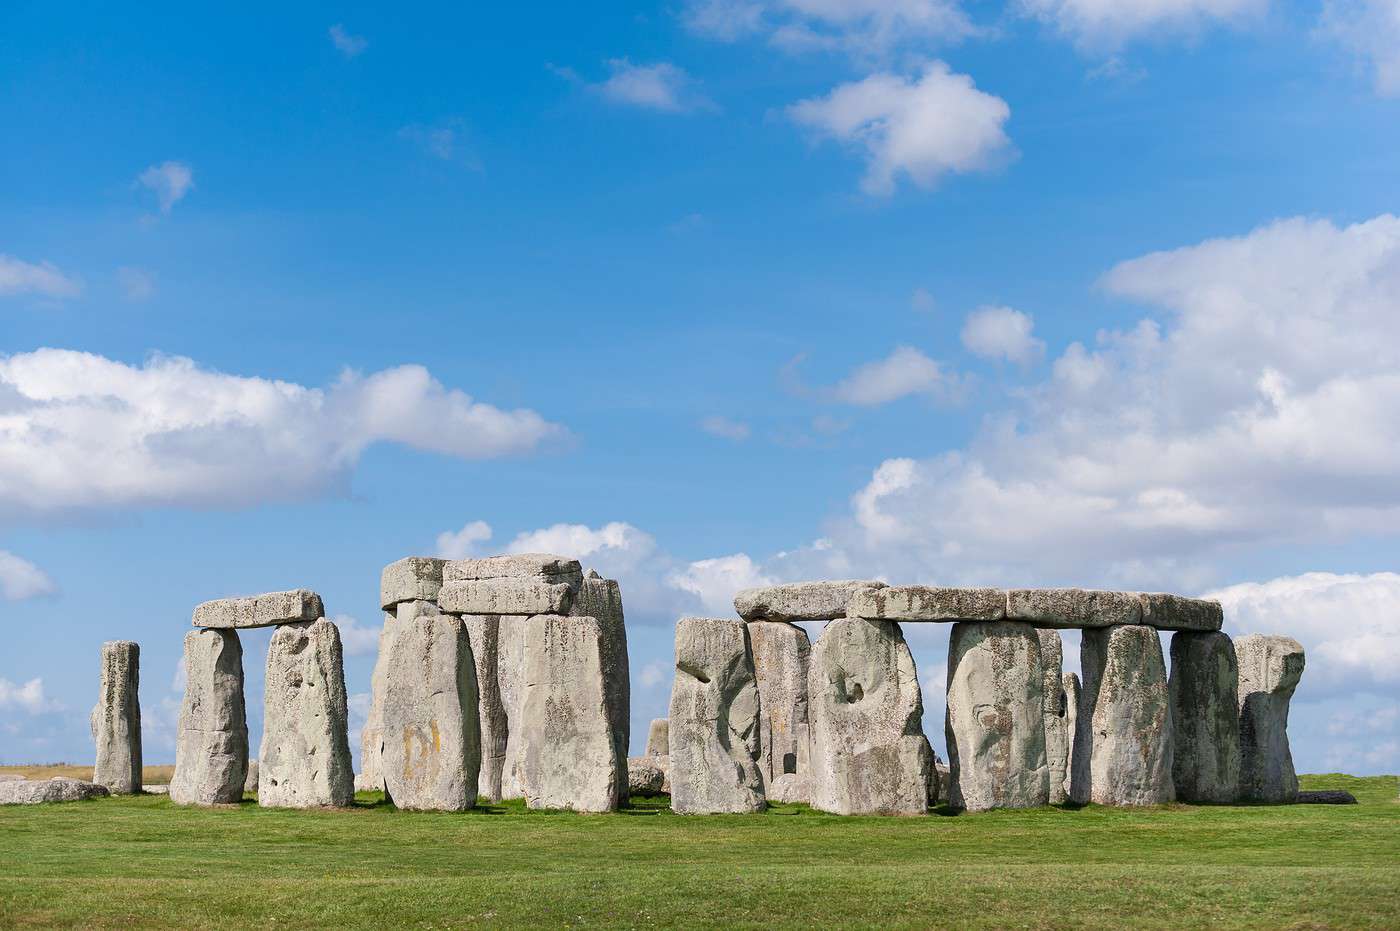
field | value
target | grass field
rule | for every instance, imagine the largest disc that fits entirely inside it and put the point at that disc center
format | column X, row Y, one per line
column 144, row 862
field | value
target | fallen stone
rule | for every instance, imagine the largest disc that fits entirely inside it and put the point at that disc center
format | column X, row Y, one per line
column 156, row 790
column 929, row 603
column 1270, row 668
column 570, row 731
column 57, row 789
column 646, row 775
column 715, row 720
column 1326, row 797
column 1173, row 612
column 484, row 630
column 781, row 660
column 413, row 578
column 800, row 601
column 539, row 566
column 869, row 754
column 1204, row 688
column 1073, row 607
column 1071, row 684
column 211, row 744
column 505, row 596
column 601, row 599
column 305, row 757
column 431, row 743
column 1123, row 738
column 259, row 610
column 658, row 738
column 996, row 717
column 250, row 781
column 116, row 720
column 510, row 679
column 1056, row 714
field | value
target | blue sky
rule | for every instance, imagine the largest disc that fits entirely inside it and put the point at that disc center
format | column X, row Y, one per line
column 707, row 294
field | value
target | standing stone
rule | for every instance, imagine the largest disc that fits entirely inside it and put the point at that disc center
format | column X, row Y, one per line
column 116, row 720
column 1270, row 668
column 869, row 754
column 1056, row 714
column 1071, row 684
column 1204, row 688
column 658, row 738
column 483, row 630
column 781, row 661
column 714, row 723
column 996, row 717
column 569, row 726
column 305, row 757
column 510, row 679
column 371, row 775
column 601, row 599
column 211, row 747
column 1123, row 739
column 250, row 781
column 431, row 753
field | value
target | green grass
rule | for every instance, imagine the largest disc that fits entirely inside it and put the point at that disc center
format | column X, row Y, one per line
column 143, row 862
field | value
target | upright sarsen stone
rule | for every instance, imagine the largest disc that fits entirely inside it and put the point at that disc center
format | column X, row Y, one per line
column 601, row 599
column 1204, row 687
column 714, row 720
column 116, row 720
column 996, row 717
column 781, row 661
column 305, row 757
column 1071, row 684
column 1057, row 739
column 484, row 631
column 211, row 747
column 1123, row 737
column 658, row 737
column 510, row 680
column 371, row 775
column 1270, row 668
column 869, row 754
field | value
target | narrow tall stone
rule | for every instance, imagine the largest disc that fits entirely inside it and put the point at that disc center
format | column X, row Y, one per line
column 1071, row 684
column 781, row 661
column 714, row 723
column 1270, row 668
column 996, row 717
column 1056, row 714
column 484, row 630
column 869, row 754
column 510, row 680
column 1123, row 738
column 305, row 757
column 371, row 775
column 1204, row 687
column 601, row 599
column 116, row 719
column 211, row 747
column 658, row 738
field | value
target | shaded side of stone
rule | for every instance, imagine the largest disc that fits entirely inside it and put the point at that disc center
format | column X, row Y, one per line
column 1057, row 740
column 1173, row 612
column 484, row 631
column 1270, row 669
column 1204, row 687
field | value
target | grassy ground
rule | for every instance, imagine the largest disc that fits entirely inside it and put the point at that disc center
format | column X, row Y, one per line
column 141, row 861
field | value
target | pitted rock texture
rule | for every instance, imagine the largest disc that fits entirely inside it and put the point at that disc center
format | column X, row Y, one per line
column 431, row 753
column 484, row 632
column 1326, row 797
column 1123, row 738
column 929, row 603
column 505, row 596
column 413, row 578
column 646, row 775
column 1073, row 607
column 800, row 601
column 371, row 775
column 781, row 660
column 658, row 738
column 1270, row 668
column 543, row 567
column 715, row 720
column 57, row 789
column 570, row 731
column 259, row 610
column 996, row 717
column 869, row 754
column 211, row 745
column 601, row 599
column 250, row 781
column 1173, row 612
column 116, row 720
column 1204, row 688
column 305, row 757
column 510, row 679
column 1057, row 745
column 1071, row 685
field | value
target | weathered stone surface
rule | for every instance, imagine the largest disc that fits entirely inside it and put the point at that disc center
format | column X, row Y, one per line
column 646, row 775
column 715, row 720
column 116, row 720
column 484, row 631
column 1204, row 688
column 781, row 660
column 250, row 781
column 869, row 754
column 305, row 757
column 1056, row 714
column 658, row 738
column 371, row 775
column 1073, row 607
column 510, row 679
column 11, row 777
column 57, row 789
column 601, row 599
column 211, row 746
column 1270, row 668
column 413, row 578
column 505, row 596
column 800, row 601
column 1173, row 612
column 431, row 740
column 156, row 790
column 1123, row 738
column 541, row 566
column 939, row 784
column 1326, row 797
column 572, row 757
column 1071, row 684
column 929, row 603
column 996, row 717
column 259, row 610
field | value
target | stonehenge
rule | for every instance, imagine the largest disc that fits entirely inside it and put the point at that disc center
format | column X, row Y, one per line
column 211, row 745
column 1204, row 689
column 116, row 720
column 658, row 737
column 259, row 610
column 781, row 658
column 483, row 633
column 1057, row 715
column 1071, row 687
column 1270, row 668
column 43, row 791
column 800, row 601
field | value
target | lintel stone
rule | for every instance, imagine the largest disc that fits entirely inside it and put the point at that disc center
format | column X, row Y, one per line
column 929, row 603
column 293, row 607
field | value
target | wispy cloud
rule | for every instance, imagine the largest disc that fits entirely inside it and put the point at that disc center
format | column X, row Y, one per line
column 20, row 277
column 21, row 579
column 661, row 86
column 170, row 181
column 723, row 427
column 347, row 44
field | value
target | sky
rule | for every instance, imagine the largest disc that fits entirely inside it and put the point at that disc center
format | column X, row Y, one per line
column 708, row 294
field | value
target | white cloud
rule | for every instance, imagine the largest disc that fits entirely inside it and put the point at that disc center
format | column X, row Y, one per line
column 28, row 697
column 1107, row 24
column 903, row 373
column 20, row 277
column 443, row 141
column 922, row 300
column 614, row 545
column 170, row 181
column 80, row 431
column 21, row 579
column 653, row 674
column 1370, row 30
column 1002, row 333
column 345, row 43
column 461, row 544
column 136, row 284
column 922, row 128
column 356, row 639
column 660, row 86
column 723, row 427
column 861, row 28
column 714, row 581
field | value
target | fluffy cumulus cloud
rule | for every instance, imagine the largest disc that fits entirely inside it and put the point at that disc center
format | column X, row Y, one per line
column 357, row 639
column 80, row 431
column 714, row 581
column 1110, row 23
column 660, row 86
column 19, row 277
column 21, row 579
column 169, row 181
column 921, row 128
column 1370, row 29
column 862, row 28
column 904, row 373
column 1002, row 333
